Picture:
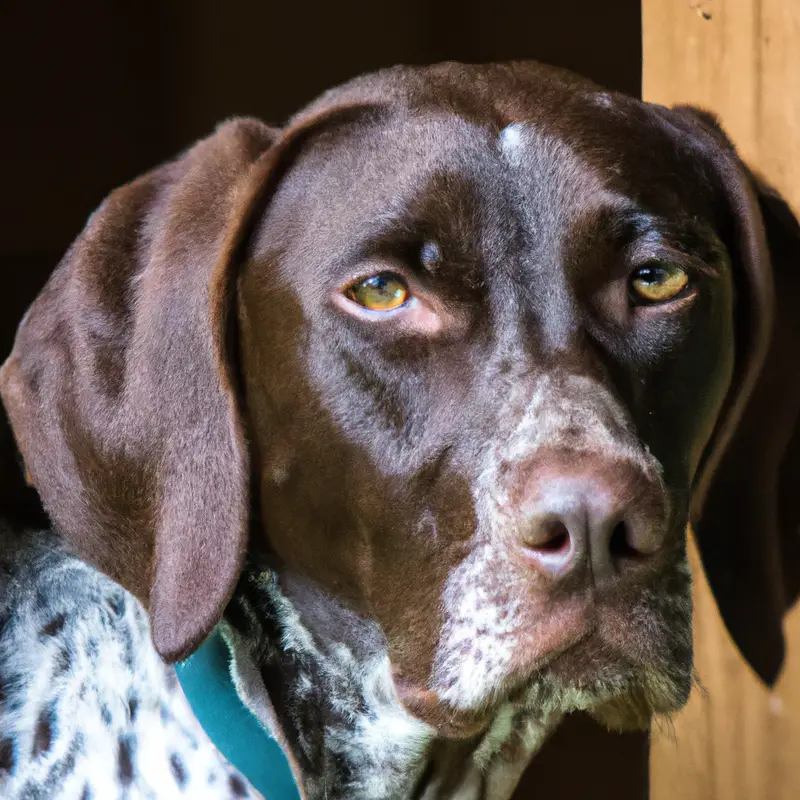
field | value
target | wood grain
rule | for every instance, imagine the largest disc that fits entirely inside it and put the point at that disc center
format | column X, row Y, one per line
column 741, row 59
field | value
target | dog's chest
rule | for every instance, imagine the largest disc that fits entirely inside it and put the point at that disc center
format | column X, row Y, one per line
column 389, row 756
column 87, row 709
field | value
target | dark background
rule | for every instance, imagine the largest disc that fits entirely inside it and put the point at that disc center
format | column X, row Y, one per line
column 94, row 92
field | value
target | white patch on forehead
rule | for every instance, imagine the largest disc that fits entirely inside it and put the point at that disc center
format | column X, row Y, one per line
column 553, row 182
column 602, row 99
column 511, row 138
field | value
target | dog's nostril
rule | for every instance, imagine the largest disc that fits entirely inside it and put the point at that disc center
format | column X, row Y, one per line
column 619, row 545
column 555, row 539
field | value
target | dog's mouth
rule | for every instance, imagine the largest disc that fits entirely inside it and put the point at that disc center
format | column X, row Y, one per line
column 618, row 695
column 623, row 666
column 608, row 684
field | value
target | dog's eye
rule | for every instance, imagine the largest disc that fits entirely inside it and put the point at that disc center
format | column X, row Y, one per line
column 658, row 283
column 382, row 292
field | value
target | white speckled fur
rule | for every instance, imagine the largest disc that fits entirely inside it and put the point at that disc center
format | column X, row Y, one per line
column 478, row 638
column 382, row 742
column 76, row 648
column 482, row 613
column 385, row 748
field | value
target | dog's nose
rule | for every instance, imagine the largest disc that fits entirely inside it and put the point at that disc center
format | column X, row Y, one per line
column 608, row 517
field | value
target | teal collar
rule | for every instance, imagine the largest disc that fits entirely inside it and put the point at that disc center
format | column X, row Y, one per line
column 206, row 681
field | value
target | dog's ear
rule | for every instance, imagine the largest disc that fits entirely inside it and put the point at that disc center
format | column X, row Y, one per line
column 121, row 388
column 121, row 393
column 746, row 499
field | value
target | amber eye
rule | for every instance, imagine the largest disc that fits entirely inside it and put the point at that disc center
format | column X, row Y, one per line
column 658, row 283
column 383, row 292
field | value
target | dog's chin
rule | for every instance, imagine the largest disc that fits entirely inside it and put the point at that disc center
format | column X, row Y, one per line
column 625, row 701
column 588, row 676
column 622, row 658
column 618, row 694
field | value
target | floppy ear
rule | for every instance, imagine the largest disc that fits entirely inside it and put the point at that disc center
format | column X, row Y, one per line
column 121, row 394
column 746, row 501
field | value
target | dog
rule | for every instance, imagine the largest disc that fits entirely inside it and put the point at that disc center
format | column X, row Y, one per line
column 413, row 399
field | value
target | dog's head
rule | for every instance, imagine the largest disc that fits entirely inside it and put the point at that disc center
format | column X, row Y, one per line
column 464, row 348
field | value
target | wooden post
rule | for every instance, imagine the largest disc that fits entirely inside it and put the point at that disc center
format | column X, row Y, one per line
column 740, row 59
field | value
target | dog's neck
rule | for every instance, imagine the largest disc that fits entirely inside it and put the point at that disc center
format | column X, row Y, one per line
column 319, row 677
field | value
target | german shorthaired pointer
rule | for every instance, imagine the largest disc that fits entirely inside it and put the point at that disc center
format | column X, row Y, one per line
column 413, row 400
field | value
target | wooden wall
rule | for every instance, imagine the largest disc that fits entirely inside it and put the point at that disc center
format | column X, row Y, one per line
column 740, row 58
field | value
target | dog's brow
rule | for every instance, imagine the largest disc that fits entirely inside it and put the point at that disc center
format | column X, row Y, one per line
column 648, row 233
column 680, row 239
column 443, row 212
column 628, row 223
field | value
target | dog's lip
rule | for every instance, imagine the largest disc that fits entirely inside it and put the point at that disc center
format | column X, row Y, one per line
column 567, row 662
column 458, row 723
column 427, row 705
column 579, row 645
